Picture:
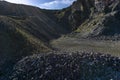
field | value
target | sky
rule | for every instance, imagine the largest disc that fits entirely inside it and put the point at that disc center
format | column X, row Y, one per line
column 45, row 4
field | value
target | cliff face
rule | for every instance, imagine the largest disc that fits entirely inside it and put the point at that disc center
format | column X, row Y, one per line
column 77, row 13
column 80, row 11
column 100, row 18
column 92, row 17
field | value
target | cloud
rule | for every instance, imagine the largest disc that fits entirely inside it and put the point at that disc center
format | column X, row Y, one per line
column 19, row 1
column 56, row 4
column 53, row 4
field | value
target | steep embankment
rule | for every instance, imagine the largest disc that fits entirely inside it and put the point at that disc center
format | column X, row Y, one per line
column 24, row 30
column 102, row 23
column 33, row 20
column 90, row 18
column 76, row 14
column 15, row 43
column 26, row 25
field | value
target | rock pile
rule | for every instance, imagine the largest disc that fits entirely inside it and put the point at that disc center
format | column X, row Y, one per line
column 74, row 66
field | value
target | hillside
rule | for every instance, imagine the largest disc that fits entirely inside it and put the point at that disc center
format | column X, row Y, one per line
column 85, row 27
column 75, row 14
column 97, row 27
column 39, row 22
column 25, row 30
column 90, row 18
column 105, row 22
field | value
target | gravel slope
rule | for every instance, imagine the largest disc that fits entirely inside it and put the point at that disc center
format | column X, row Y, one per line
column 65, row 66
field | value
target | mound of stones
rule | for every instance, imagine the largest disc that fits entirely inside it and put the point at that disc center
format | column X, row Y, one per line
column 65, row 66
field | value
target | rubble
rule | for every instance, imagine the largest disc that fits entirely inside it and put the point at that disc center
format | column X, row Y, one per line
column 77, row 66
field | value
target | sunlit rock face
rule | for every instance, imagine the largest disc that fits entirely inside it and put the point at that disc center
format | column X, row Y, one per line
column 102, row 5
column 74, row 15
column 96, row 17
column 81, row 10
column 99, row 5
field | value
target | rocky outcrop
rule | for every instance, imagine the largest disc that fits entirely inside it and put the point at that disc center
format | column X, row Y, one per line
column 77, row 13
column 105, row 22
column 81, row 10
column 62, row 66
column 107, row 25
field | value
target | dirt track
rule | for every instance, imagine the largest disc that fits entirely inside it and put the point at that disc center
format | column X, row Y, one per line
column 73, row 44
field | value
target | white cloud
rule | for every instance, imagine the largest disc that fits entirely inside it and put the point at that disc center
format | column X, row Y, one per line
column 19, row 1
column 56, row 4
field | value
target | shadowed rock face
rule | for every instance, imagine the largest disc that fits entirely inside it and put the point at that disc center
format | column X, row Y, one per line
column 105, row 22
column 25, row 29
column 61, row 66
column 77, row 13
column 82, row 10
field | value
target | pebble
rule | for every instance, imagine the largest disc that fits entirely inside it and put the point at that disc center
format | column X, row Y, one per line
column 76, row 66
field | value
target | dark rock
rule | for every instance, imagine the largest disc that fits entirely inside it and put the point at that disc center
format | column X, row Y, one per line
column 86, row 66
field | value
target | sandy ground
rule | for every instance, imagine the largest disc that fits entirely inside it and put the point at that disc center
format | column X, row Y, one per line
column 74, row 44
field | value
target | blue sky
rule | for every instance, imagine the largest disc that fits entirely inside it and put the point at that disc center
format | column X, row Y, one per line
column 45, row 4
